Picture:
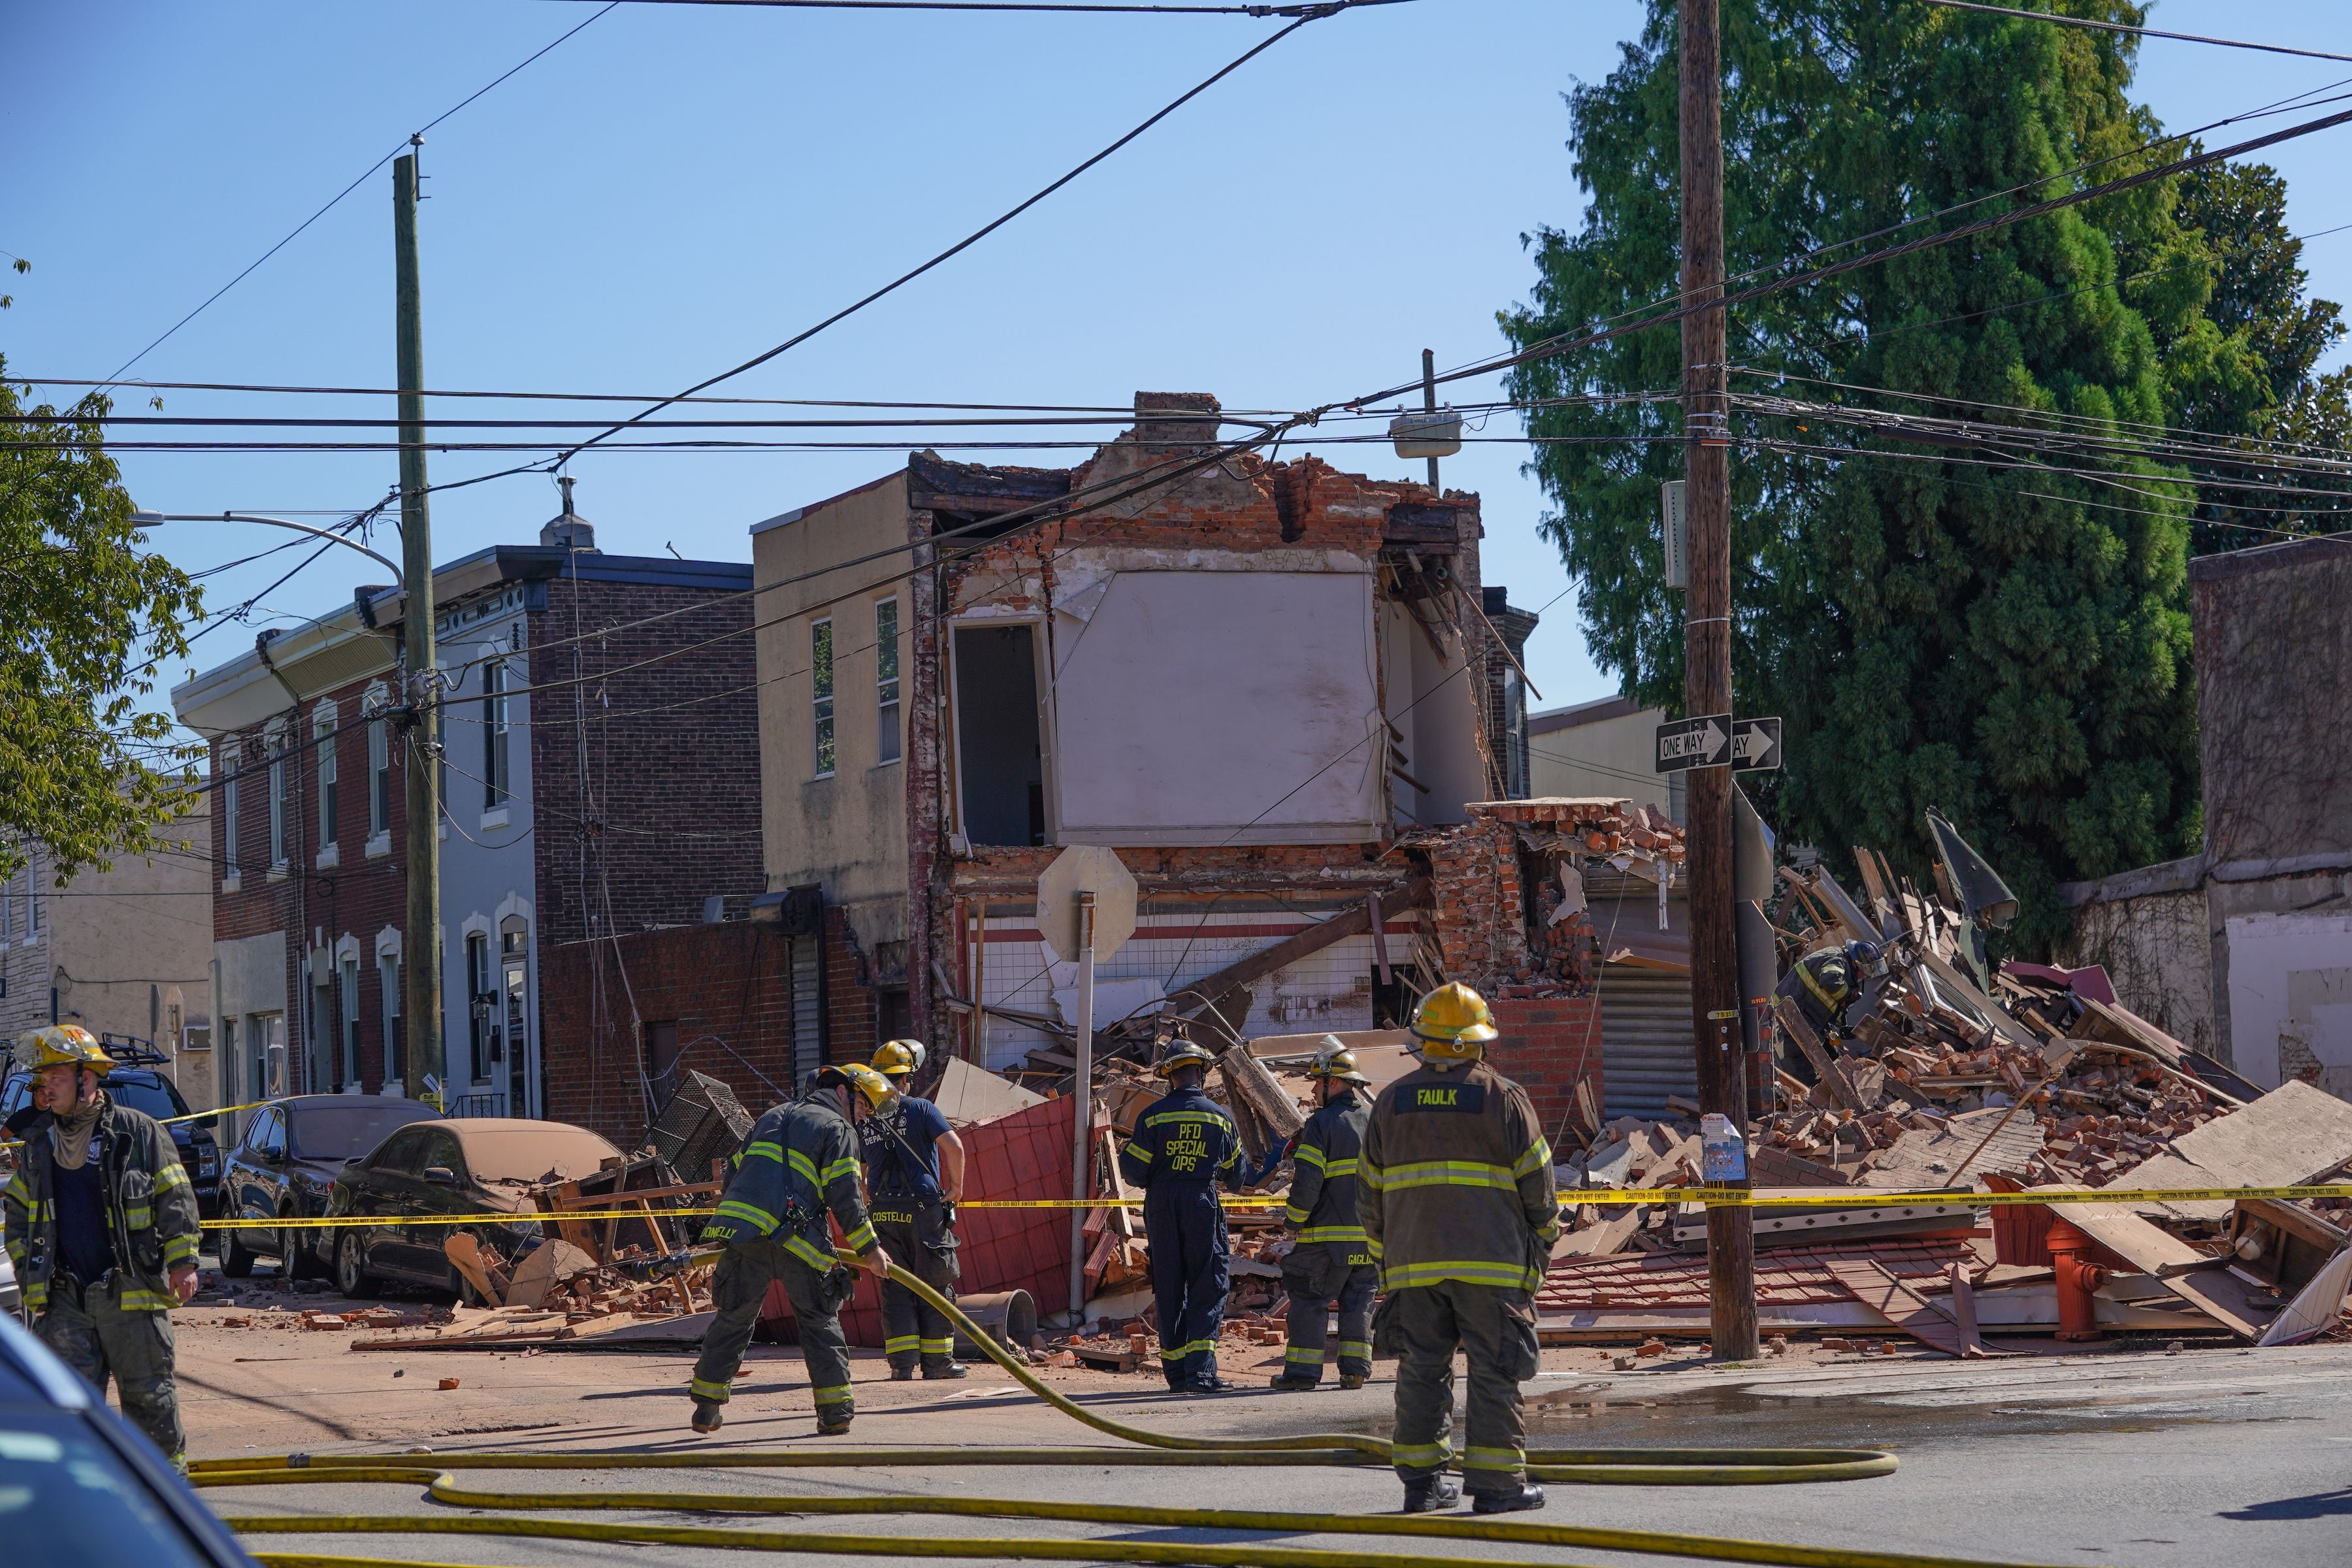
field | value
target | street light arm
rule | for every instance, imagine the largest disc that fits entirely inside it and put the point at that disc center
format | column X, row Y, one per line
column 149, row 518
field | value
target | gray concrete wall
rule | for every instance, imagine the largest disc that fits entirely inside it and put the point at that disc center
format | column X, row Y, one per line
column 2155, row 951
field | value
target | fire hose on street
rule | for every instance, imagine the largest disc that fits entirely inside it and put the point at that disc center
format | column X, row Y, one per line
column 507, row 1511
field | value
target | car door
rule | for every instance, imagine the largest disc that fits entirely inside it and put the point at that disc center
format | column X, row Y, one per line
column 442, row 1188
column 384, row 1186
column 255, row 1176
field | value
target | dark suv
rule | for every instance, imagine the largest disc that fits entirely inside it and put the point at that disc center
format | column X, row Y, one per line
column 138, row 1085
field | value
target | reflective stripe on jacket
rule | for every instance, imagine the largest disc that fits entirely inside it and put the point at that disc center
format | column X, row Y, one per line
column 1185, row 1136
column 1455, row 1182
column 801, row 1160
column 151, row 1208
column 1323, row 1166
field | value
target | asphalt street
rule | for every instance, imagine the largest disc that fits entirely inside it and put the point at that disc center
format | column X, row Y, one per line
column 2214, row 1455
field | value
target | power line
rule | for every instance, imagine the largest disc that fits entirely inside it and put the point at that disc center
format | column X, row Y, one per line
column 2098, row 27
column 1300, row 12
column 1308, row 14
column 336, row 200
column 1553, row 347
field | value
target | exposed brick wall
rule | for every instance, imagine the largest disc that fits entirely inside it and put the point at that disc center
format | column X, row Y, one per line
column 1547, row 1044
column 853, row 1015
column 672, row 758
column 728, row 988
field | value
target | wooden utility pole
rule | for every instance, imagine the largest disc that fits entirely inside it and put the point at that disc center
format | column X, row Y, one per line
column 421, row 942
column 1706, row 662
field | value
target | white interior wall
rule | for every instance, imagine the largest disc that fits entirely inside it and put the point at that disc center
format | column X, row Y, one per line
column 2291, row 993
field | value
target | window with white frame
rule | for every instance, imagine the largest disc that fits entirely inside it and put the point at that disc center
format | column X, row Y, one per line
column 885, row 681
column 379, row 777
column 821, row 681
column 497, row 780
column 479, row 999
column 351, row 1018
column 280, row 803
column 230, row 819
column 33, row 908
column 322, row 735
column 7, row 909
column 395, row 1044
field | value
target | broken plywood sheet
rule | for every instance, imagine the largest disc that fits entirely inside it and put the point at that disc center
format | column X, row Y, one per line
column 2317, row 1307
column 626, row 1329
column 1923, row 1160
column 1894, row 1297
column 2124, row 1233
column 967, row 1094
column 2292, row 1136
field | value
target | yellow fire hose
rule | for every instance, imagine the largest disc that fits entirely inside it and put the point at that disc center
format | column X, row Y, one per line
column 1638, row 1467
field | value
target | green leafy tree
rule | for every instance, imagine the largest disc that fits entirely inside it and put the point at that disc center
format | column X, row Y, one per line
column 2254, row 382
column 2008, row 645
column 86, row 617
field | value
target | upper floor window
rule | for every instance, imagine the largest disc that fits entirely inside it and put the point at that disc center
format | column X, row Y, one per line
column 497, row 779
column 885, row 681
column 379, row 777
column 322, row 735
column 821, row 682
column 232, row 820
column 282, row 802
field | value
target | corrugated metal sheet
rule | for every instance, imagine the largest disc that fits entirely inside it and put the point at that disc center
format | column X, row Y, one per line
column 1647, row 1051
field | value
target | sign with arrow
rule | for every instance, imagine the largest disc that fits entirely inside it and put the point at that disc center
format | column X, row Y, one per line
column 1714, row 741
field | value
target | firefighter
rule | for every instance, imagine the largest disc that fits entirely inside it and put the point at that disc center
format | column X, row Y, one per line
column 1184, row 1144
column 1328, row 1255
column 1824, row 983
column 100, row 1222
column 799, row 1160
column 1456, row 1188
column 914, row 1175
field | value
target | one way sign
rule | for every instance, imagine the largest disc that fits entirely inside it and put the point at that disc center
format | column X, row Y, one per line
column 1714, row 740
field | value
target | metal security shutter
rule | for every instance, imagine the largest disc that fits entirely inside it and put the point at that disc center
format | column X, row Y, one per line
column 1646, row 1048
column 808, row 1008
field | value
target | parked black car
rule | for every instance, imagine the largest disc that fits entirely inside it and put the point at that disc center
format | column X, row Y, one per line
column 287, row 1164
column 145, row 1089
column 466, row 1165
column 78, row 1487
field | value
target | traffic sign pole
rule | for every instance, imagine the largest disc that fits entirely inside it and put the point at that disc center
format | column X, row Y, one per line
column 1081, row 1117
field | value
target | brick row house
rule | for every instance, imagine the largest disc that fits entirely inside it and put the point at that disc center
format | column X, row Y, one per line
column 598, row 774
column 1280, row 691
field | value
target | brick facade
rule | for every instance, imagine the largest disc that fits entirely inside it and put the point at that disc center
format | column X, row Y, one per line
column 1547, row 1044
column 671, row 767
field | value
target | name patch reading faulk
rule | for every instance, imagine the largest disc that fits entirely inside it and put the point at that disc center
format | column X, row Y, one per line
column 1465, row 1097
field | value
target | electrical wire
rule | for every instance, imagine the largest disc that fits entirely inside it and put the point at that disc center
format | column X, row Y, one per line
column 336, row 200
column 2065, row 21
column 1309, row 15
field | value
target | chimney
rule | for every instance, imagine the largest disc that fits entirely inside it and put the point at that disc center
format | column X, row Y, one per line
column 570, row 531
column 1171, row 422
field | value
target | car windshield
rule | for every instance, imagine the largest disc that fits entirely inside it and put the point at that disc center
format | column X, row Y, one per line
column 156, row 1097
column 67, row 1501
column 345, row 1131
column 529, row 1152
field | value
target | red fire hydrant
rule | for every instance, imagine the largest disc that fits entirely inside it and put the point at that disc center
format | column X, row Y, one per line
column 2078, row 1315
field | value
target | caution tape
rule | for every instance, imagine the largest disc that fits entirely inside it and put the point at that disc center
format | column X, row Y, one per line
column 172, row 1121
column 1864, row 1197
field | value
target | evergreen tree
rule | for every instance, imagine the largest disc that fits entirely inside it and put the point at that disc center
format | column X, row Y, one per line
column 2008, row 644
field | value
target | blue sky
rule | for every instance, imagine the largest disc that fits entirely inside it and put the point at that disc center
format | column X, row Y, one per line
column 678, row 187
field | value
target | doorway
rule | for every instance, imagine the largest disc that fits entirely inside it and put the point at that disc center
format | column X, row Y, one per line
column 514, row 970
column 1002, row 764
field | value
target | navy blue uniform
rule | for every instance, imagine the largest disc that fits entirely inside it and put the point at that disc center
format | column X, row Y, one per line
column 1183, row 1147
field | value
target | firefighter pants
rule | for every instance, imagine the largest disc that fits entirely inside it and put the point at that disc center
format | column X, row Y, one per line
column 1423, row 1326
column 737, row 1290
column 917, row 1236
column 1315, row 1273
column 93, row 1334
column 1186, row 1227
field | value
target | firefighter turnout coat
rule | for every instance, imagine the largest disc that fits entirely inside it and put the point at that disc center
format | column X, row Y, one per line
column 151, row 1209
column 801, row 1160
column 1455, row 1182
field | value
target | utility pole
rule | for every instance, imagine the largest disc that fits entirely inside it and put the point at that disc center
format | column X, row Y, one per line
column 421, row 945
column 1707, row 662
column 1429, row 406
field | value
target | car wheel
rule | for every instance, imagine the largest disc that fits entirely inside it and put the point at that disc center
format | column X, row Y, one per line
column 235, row 1261
column 351, row 1276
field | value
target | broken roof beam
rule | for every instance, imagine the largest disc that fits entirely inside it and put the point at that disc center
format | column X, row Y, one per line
column 1352, row 921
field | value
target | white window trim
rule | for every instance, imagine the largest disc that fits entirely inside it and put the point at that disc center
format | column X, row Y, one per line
column 501, row 816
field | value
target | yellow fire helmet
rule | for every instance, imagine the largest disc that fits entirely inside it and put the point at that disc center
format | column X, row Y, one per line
column 1452, row 1025
column 899, row 1058
column 1182, row 1053
column 879, row 1091
column 61, row 1044
column 1335, row 1060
